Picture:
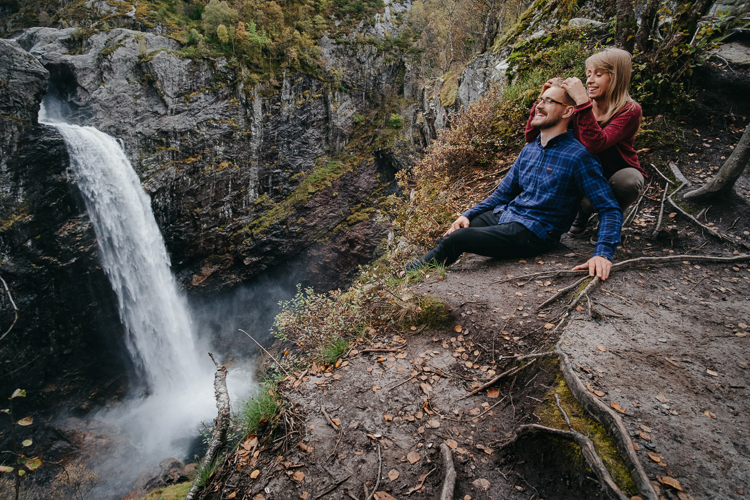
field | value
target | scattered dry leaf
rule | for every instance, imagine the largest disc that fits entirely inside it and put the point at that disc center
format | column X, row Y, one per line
column 646, row 428
column 375, row 388
column 644, row 436
column 481, row 484
column 493, row 392
column 601, row 348
column 457, row 328
column 232, row 494
column 298, row 476
column 305, row 495
column 336, row 421
column 434, row 423
column 670, row 481
column 382, row 495
column 393, row 474
column 662, row 398
column 388, row 418
column 684, row 496
column 709, row 414
column 549, row 326
column 617, row 407
column 413, row 457
column 425, row 388
column 712, row 373
column 254, row 474
column 451, row 444
column 653, row 456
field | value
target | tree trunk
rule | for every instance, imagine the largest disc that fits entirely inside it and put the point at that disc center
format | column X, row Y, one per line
column 626, row 25
column 728, row 174
column 642, row 37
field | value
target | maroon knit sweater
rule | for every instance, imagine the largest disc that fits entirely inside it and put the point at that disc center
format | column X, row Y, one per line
column 613, row 144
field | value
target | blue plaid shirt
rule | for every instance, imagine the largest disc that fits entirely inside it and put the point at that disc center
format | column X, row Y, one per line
column 543, row 191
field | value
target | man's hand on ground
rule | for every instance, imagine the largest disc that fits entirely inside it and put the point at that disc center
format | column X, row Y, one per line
column 460, row 222
column 597, row 266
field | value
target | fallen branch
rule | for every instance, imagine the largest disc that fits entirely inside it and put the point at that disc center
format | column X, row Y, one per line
column 450, row 473
column 678, row 174
column 15, row 308
column 221, row 424
column 491, row 407
column 264, row 350
column 377, row 482
column 400, row 383
column 585, row 292
column 587, row 448
column 508, row 373
column 527, row 356
column 336, row 485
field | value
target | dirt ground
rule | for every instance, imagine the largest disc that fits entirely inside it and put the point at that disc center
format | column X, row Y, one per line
column 666, row 345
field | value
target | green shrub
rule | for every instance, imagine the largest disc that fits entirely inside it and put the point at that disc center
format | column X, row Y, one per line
column 359, row 119
column 395, row 121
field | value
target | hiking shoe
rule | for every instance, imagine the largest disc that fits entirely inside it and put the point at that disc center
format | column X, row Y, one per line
column 579, row 225
column 415, row 264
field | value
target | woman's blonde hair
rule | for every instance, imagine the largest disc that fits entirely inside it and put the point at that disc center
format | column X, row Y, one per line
column 618, row 63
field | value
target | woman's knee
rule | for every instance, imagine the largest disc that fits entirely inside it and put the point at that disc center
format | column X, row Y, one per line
column 626, row 185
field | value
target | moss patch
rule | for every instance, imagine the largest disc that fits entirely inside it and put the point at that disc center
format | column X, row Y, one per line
column 449, row 89
column 583, row 423
column 174, row 492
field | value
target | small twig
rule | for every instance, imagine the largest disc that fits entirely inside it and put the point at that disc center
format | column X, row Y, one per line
column 400, row 383
column 508, row 373
column 341, row 433
column 527, row 356
column 661, row 212
column 733, row 224
column 380, row 471
column 333, row 487
column 328, row 419
column 421, row 483
column 15, row 309
column 383, row 350
column 662, row 175
column 564, row 414
column 264, row 350
column 696, row 285
column 491, row 407
column 634, row 211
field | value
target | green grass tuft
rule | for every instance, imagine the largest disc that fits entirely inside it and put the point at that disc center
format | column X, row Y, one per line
column 334, row 350
column 259, row 409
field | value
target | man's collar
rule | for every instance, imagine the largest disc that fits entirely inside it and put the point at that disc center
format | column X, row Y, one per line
column 555, row 140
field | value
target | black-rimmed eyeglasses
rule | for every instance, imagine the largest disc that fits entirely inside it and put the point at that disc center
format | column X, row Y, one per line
column 548, row 100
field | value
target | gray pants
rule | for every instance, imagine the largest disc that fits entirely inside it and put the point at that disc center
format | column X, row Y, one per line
column 626, row 185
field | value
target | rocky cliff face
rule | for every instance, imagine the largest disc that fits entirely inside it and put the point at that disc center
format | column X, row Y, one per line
column 220, row 158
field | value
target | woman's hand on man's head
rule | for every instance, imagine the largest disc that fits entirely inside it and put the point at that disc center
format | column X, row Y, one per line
column 546, row 86
column 576, row 90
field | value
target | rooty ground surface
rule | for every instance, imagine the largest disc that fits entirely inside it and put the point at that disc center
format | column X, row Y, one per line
column 666, row 345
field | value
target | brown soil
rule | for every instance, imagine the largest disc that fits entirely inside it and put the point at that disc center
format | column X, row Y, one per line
column 665, row 343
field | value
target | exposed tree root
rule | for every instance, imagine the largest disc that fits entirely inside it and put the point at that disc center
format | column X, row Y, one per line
column 611, row 423
column 449, row 483
column 669, row 259
column 221, row 424
column 588, row 450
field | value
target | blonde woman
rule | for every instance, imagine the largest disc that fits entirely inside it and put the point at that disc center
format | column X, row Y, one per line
column 606, row 121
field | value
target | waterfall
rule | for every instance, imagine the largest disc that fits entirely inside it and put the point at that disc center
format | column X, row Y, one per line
column 154, row 312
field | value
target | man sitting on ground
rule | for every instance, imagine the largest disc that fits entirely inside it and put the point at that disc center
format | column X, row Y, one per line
column 538, row 199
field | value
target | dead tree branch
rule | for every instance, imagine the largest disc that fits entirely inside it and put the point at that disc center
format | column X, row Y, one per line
column 221, row 424
column 450, row 473
column 507, row 373
column 264, row 350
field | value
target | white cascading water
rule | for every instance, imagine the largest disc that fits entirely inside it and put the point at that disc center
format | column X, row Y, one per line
column 160, row 336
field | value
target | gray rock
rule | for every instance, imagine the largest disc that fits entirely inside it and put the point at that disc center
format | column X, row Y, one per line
column 171, row 471
column 581, row 22
column 736, row 53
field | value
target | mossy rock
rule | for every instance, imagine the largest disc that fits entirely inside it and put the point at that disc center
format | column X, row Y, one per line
column 429, row 311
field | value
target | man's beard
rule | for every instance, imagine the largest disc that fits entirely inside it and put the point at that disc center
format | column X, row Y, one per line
column 545, row 122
